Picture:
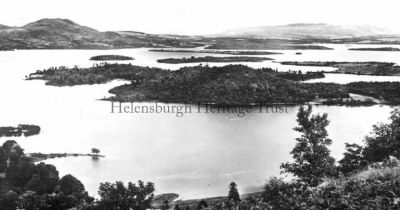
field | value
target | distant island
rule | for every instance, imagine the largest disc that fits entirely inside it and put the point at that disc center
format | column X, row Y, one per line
column 264, row 44
column 227, row 52
column 212, row 59
column 359, row 68
column 110, row 58
column 376, row 49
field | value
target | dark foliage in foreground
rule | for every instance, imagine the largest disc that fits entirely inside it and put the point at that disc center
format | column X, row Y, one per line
column 363, row 184
column 25, row 185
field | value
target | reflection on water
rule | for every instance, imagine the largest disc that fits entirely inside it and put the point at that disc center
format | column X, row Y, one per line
column 195, row 155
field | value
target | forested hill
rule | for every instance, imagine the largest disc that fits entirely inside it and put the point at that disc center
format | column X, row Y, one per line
column 228, row 85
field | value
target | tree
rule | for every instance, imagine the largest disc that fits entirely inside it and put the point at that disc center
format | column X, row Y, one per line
column 233, row 192
column 202, row 204
column 279, row 194
column 69, row 185
column 95, row 151
column 117, row 196
column 30, row 200
column 165, row 205
column 177, row 207
column 353, row 159
column 44, row 180
column 9, row 201
column 312, row 160
column 385, row 140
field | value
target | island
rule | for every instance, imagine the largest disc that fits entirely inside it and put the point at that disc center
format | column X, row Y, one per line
column 227, row 52
column 358, row 68
column 23, row 129
column 212, row 59
column 226, row 85
column 376, row 49
column 110, row 58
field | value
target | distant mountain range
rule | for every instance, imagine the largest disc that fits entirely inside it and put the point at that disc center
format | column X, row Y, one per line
column 303, row 30
column 66, row 34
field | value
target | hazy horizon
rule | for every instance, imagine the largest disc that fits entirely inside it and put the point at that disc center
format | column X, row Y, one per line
column 201, row 17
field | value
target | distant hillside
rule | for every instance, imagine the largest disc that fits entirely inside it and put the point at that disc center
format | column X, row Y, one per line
column 303, row 30
column 66, row 34
column 3, row 26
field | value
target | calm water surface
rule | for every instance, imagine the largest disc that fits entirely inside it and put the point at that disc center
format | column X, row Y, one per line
column 195, row 155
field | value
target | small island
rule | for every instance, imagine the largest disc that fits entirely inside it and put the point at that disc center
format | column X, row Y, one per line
column 213, row 59
column 111, row 58
column 376, row 49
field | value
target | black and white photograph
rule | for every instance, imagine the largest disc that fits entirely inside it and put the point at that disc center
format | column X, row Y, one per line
column 199, row 105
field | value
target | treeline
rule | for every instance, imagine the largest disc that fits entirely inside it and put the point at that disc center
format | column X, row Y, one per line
column 349, row 102
column 300, row 76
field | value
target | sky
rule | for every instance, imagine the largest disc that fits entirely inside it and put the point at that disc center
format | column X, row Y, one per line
column 199, row 17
